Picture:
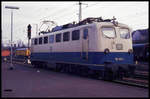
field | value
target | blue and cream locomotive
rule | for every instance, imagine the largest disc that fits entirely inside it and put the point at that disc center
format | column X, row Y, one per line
column 92, row 46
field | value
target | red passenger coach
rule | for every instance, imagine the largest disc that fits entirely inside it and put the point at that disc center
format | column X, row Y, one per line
column 5, row 53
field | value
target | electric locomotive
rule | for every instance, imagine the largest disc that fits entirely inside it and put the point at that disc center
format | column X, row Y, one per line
column 93, row 46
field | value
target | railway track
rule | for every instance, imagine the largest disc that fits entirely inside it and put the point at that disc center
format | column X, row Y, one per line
column 140, row 79
column 132, row 82
column 143, row 75
column 144, row 66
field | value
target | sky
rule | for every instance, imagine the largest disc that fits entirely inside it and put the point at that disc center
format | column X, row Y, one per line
column 134, row 14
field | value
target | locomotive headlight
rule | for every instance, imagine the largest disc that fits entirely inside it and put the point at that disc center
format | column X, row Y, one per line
column 130, row 51
column 106, row 51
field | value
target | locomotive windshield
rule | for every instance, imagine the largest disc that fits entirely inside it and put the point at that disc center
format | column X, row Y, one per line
column 124, row 33
column 108, row 32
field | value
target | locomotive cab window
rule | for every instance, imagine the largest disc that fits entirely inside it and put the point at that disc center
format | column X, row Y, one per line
column 124, row 33
column 108, row 32
column 51, row 38
column 46, row 40
column 66, row 36
column 58, row 37
column 40, row 40
column 35, row 41
column 75, row 35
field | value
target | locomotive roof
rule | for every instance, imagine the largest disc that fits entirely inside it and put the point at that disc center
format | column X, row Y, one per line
column 68, row 29
column 81, row 26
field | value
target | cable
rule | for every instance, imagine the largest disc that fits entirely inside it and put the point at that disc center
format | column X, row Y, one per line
column 59, row 11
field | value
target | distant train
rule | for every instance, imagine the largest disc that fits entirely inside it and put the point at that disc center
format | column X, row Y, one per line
column 141, row 45
column 93, row 46
column 19, row 54
column 22, row 54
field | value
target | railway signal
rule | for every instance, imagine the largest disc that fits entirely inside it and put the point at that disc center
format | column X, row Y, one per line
column 29, row 31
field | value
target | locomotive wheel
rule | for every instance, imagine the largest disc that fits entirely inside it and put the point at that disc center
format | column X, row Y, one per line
column 94, row 74
column 34, row 64
column 45, row 65
column 82, row 71
column 91, row 73
column 58, row 67
column 108, row 75
column 120, row 73
column 69, row 69
column 73, row 69
column 97, row 74
column 38, row 65
column 85, row 71
column 63, row 68
column 78, row 70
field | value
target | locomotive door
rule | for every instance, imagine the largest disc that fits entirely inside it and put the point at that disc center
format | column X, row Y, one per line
column 85, row 44
column 51, row 41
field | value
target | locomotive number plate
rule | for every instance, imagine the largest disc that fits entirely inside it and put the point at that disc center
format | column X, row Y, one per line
column 119, row 46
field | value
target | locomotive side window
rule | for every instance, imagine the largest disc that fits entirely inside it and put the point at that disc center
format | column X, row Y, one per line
column 108, row 32
column 51, row 39
column 124, row 33
column 75, row 35
column 58, row 37
column 40, row 40
column 46, row 40
column 66, row 36
column 85, row 33
column 35, row 41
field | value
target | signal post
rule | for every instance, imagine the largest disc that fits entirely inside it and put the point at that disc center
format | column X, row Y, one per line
column 29, row 35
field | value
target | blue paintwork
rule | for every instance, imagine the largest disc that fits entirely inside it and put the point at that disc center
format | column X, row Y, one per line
column 75, row 57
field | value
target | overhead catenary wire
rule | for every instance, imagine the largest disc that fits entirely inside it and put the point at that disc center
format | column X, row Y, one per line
column 69, row 15
column 59, row 12
column 66, row 13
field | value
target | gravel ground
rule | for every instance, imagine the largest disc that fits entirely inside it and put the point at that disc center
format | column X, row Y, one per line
column 26, row 81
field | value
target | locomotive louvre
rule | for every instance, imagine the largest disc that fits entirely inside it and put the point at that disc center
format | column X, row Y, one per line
column 103, row 48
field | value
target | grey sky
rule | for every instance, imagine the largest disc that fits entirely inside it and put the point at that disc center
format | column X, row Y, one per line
column 134, row 14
